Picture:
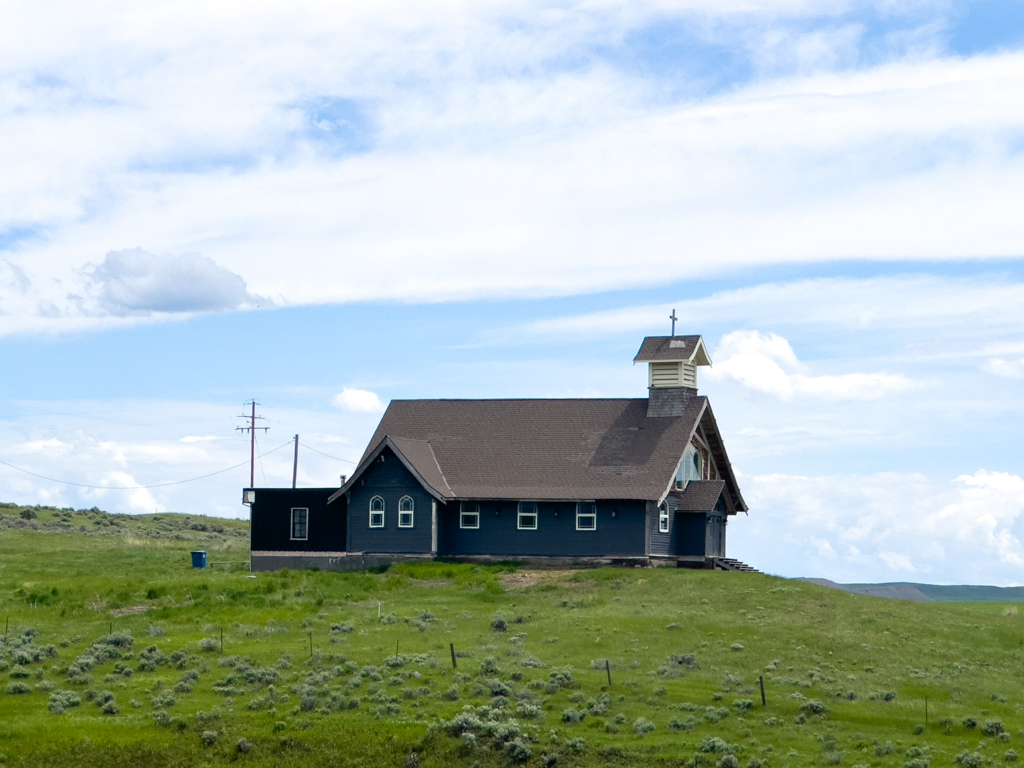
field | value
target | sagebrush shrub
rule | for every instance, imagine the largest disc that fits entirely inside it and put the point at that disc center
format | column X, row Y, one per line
column 642, row 726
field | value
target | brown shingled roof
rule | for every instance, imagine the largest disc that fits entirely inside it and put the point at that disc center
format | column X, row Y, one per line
column 669, row 348
column 537, row 449
column 699, row 495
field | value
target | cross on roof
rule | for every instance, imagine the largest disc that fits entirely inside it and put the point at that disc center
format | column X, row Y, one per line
column 673, row 318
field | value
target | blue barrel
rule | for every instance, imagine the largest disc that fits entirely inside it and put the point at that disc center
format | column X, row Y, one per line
column 198, row 559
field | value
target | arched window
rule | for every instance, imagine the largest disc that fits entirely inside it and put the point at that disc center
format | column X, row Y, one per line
column 689, row 468
column 406, row 508
column 663, row 518
column 377, row 512
column 586, row 516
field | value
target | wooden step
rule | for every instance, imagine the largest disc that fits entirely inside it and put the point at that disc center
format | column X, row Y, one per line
column 729, row 564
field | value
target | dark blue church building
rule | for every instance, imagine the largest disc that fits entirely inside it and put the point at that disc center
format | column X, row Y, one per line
column 560, row 480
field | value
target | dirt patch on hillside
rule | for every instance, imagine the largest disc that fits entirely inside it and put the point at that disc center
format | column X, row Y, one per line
column 524, row 579
column 135, row 610
column 432, row 582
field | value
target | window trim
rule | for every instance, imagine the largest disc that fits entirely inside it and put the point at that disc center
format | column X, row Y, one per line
column 664, row 526
column 375, row 512
column 469, row 508
column 586, row 509
column 305, row 524
column 531, row 511
column 411, row 512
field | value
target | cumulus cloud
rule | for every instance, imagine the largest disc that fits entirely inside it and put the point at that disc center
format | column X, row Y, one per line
column 359, row 401
column 882, row 526
column 767, row 363
column 133, row 281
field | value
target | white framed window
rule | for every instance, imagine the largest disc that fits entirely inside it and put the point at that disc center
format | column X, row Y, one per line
column 527, row 516
column 300, row 523
column 377, row 512
column 469, row 515
column 406, row 511
column 586, row 516
column 663, row 518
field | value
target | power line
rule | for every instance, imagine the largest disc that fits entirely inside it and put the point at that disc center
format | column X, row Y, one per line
column 137, row 487
column 336, row 458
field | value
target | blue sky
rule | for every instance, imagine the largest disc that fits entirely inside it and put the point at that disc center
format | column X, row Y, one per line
column 326, row 207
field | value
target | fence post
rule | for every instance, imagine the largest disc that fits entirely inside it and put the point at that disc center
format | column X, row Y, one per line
column 608, row 669
column 454, row 663
column 764, row 701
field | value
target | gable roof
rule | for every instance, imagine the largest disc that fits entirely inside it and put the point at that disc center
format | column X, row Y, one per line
column 417, row 456
column 667, row 349
column 699, row 495
column 537, row 449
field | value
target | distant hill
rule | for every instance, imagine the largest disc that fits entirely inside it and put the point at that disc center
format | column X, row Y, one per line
column 930, row 593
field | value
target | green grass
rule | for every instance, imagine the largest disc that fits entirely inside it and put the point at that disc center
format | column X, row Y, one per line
column 67, row 588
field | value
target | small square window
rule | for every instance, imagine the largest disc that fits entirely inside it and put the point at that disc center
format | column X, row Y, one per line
column 376, row 519
column 405, row 519
column 528, row 521
column 586, row 516
column 300, row 524
column 469, row 514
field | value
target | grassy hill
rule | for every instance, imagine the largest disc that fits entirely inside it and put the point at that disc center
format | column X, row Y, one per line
column 120, row 654
column 931, row 593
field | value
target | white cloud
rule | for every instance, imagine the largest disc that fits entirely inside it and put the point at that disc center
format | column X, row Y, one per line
column 879, row 526
column 767, row 363
column 501, row 172
column 942, row 305
column 359, row 401
column 45, row 445
column 896, row 561
column 134, row 281
column 1011, row 369
column 200, row 438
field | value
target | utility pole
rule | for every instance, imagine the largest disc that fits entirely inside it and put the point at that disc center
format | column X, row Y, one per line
column 251, row 429
column 295, row 464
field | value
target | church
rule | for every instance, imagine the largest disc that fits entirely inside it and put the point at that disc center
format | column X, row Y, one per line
column 599, row 480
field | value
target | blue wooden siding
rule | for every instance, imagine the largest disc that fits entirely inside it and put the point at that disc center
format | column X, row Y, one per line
column 690, row 534
column 390, row 480
column 661, row 543
column 270, row 516
column 556, row 534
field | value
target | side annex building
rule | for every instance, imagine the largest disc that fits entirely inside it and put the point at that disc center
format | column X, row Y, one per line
column 543, row 480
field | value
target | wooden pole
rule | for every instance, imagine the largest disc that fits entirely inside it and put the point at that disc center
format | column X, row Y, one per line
column 111, row 628
column 764, row 701
column 455, row 664
column 608, row 669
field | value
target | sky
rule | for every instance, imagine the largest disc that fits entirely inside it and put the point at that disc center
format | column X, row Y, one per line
column 325, row 206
